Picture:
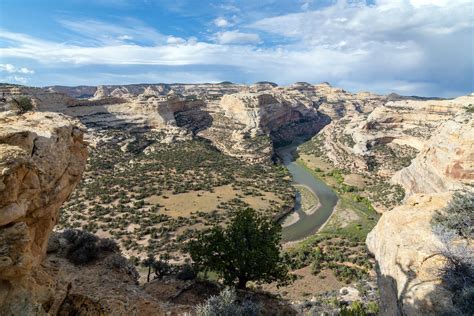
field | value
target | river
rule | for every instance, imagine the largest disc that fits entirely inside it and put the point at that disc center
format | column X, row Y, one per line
column 307, row 224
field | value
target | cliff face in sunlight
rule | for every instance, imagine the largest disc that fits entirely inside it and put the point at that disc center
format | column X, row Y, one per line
column 403, row 242
column 42, row 157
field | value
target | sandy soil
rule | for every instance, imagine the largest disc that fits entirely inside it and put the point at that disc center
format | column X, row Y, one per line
column 307, row 284
column 356, row 180
column 341, row 217
column 184, row 204
column 291, row 219
column 315, row 162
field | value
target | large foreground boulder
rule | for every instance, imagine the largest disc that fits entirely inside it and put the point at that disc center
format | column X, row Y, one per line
column 42, row 157
column 406, row 251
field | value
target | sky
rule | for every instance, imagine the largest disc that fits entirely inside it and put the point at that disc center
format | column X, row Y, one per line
column 410, row 47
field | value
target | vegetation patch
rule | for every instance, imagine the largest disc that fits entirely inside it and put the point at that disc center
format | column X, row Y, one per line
column 454, row 227
column 153, row 200
column 309, row 201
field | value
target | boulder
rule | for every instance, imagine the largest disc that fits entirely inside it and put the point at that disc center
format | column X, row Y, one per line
column 42, row 157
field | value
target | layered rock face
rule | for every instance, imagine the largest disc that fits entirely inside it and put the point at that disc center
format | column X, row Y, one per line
column 446, row 161
column 42, row 157
column 243, row 121
column 367, row 142
column 402, row 241
column 41, row 98
column 269, row 111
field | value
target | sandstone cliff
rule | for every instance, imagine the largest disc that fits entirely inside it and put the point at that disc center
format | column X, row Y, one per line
column 42, row 156
column 446, row 162
column 249, row 124
column 405, row 249
column 403, row 242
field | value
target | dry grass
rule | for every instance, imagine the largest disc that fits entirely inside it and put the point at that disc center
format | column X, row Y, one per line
column 185, row 204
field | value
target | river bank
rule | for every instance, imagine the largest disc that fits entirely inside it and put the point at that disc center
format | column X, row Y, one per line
column 300, row 224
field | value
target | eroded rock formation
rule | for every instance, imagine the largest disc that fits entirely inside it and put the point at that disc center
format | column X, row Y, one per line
column 403, row 242
column 42, row 156
column 446, row 161
column 405, row 248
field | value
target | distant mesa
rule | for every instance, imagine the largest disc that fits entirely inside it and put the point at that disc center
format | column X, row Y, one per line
column 302, row 83
column 266, row 83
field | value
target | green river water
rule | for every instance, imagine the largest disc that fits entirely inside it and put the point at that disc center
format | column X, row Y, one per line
column 307, row 224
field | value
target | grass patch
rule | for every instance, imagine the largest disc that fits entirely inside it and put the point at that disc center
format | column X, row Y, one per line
column 308, row 199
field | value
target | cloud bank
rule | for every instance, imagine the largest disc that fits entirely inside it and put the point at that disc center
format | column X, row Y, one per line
column 405, row 46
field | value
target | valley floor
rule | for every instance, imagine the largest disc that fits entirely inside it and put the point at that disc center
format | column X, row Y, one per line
column 153, row 197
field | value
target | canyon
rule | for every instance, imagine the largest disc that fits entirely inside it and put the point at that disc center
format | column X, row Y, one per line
column 405, row 155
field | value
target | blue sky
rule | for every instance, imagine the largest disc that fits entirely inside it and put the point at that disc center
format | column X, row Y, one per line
column 422, row 47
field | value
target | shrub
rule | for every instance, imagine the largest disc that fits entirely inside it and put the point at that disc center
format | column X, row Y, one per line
column 22, row 104
column 454, row 227
column 225, row 304
column 161, row 268
column 85, row 247
column 107, row 244
column 248, row 249
column 458, row 215
column 355, row 309
column 119, row 263
column 458, row 272
column 186, row 272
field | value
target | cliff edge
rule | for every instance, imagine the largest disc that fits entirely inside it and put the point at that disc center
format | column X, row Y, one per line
column 42, row 157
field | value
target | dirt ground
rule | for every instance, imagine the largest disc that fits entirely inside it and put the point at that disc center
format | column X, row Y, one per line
column 306, row 285
column 184, row 204
column 341, row 217
column 314, row 162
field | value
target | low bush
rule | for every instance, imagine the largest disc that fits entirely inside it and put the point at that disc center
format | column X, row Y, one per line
column 186, row 272
column 458, row 215
column 22, row 104
column 84, row 247
column 226, row 304
column 454, row 227
column 121, row 264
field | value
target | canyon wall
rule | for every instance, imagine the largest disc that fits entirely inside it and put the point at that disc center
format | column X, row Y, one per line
column 446, row 161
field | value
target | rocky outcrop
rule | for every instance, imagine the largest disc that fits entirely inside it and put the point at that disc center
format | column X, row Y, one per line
column 267, row 111
column 238, row 119
column 405, row 248
column 446, row 162
column 248, row 125
column 42, row 99
column 385, row 139
column 402, row 241
column 42, row 157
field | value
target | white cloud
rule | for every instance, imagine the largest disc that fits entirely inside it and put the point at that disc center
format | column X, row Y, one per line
column 388, row 20
column 125, row 38
column 99, row 32
column 229, row 7
column 406, row 46
column 9, row 68
column 172, row 40
column 237, row 37
column 221, row 22
column 16, row 79
column 419, row 3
